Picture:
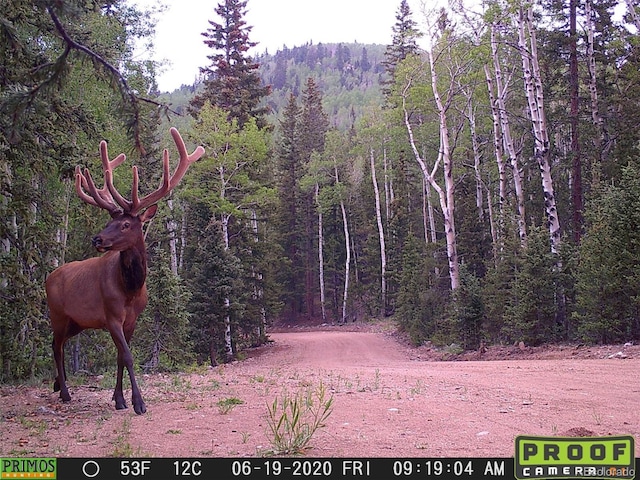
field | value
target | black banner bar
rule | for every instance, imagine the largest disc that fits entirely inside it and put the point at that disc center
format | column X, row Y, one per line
column 266, row 468
column 284, row 468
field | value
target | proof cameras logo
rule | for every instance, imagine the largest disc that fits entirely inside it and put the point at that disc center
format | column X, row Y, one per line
column 581, row 457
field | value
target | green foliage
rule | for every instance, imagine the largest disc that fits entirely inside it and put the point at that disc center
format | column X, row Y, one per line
column 608, row 282
column 293, row 420
column 468, row 310
column 348, row 72
column 421, row 302
column 247, row 244
column 232, row 82
column 225, row 405
column 530, row 307
column 212, row 274
column 162, row 332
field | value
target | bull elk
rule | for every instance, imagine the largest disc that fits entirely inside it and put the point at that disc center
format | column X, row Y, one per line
column 109, row 292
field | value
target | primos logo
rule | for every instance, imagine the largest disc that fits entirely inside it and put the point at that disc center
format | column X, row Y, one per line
column 28, row 468
column 582, row 457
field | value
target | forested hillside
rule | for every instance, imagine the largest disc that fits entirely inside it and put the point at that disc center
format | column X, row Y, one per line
column 484, row 190
column 349, row 75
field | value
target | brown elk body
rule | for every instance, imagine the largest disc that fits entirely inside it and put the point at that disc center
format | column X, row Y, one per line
column 109, row 292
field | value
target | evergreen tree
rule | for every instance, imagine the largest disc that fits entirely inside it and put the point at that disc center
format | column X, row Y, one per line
column 162, row 333
column 608, row 278
column 232, row 81
column 530, row 311
column 403, row 43
column 313, row 127
column 290, row 172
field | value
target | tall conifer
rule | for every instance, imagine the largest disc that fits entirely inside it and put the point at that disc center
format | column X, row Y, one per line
column 232, row 81
column 403, row 44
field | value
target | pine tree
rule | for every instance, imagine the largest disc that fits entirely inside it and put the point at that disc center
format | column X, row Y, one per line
column 232, row 81
column 314, row 124
column 290, row 171
column 403, row 44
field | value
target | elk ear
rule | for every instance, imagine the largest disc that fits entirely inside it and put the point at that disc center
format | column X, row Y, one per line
column 149, row 213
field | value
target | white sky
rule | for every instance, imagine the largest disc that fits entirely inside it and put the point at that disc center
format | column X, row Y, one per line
column 274, row 23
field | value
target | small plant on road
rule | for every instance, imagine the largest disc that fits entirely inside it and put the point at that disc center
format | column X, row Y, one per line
column 293, row 420
column 227, row 404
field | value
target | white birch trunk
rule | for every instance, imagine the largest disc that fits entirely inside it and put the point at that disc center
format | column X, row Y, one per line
column 388, row 185
column 183, row 240
column 631, row 5
column 228, row 345
column 535, row 99
column 447, row 201
column 258, row 291
column 425, row 210
column 347, row 261
column 383, row 248
column 498, row 145
column 347, row 246
column 444, row 194
column 476, row 162
column 321, row 255
column 173, row 238
column 598, row 121
column 501, row 94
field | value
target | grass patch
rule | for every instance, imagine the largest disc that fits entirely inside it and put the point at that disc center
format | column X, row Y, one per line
column 227, row 404
column 293, row 420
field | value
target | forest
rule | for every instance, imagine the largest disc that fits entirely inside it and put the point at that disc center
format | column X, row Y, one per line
column 482, row 190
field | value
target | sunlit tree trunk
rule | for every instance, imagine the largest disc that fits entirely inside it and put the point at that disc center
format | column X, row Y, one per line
column 172, row 226
column 258, row 291
column 598, row 121
column 476, row 162
column 388, row 185
column 498, row 145
column 533, row 88
column 321, row 255
column 383, row 248
column 576, row 180
column 635, row 18
column 224, row 221
column 347, row 260
column 447, row 201
column 509, row 146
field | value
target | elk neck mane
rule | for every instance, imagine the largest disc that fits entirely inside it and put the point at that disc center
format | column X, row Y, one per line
column 133, row 266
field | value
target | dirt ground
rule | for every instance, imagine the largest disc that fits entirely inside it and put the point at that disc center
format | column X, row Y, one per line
column 388, row 400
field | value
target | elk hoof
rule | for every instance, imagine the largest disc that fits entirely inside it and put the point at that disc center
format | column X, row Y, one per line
column 140, row 409
column 121, row 405
column 65, row 397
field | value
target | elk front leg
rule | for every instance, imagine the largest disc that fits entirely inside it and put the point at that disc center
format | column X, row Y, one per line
column 125, row 359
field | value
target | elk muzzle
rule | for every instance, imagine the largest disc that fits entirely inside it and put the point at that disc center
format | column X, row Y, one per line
column 99, row 244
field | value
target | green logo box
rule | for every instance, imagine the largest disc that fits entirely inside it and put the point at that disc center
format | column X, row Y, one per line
column 574, row 457
column 25, row 468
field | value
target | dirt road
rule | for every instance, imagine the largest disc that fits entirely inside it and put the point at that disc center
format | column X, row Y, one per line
column 385, row 404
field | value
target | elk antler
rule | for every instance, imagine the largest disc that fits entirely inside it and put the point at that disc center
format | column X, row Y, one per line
column 108, row 198
column 168, row 184
column 100, row 197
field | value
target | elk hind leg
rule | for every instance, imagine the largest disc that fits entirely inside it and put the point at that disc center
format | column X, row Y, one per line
column 61, row 377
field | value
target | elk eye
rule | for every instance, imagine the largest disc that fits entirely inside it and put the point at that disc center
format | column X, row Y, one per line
column 125, row 225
